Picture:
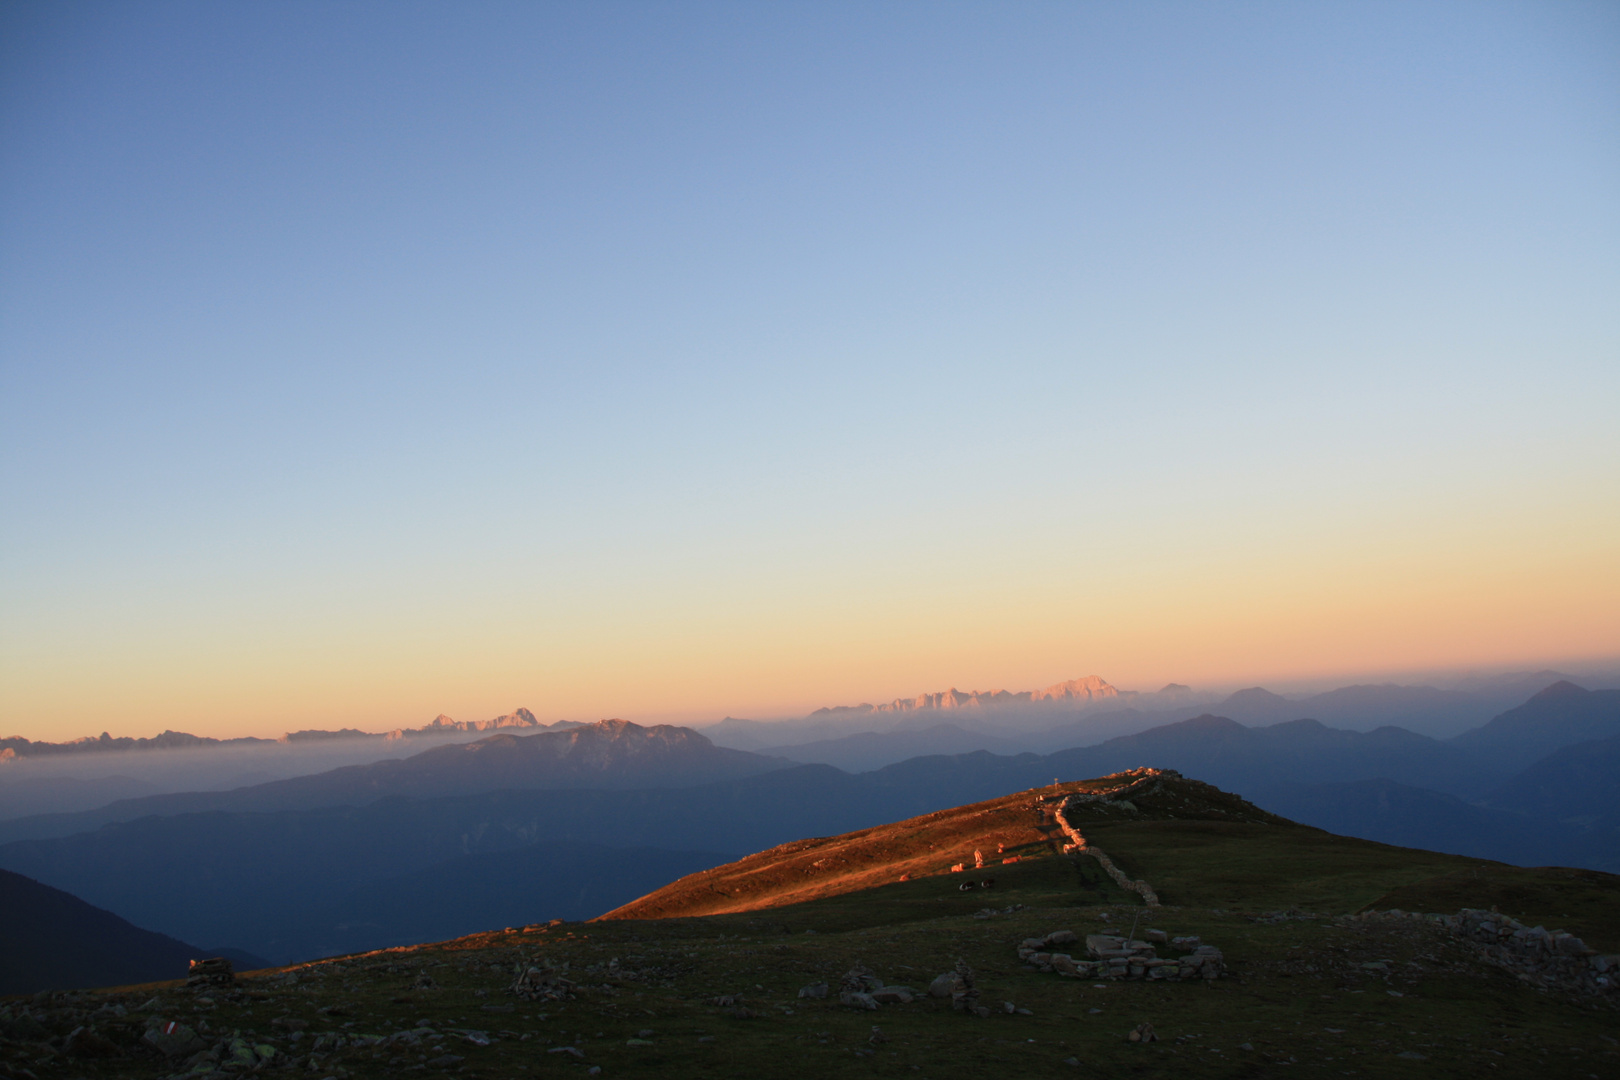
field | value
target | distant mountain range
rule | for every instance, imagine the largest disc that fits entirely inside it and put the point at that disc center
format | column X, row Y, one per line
column 290, row 870
column 16, row 747
column 516, row 828
column 1088, row 711
column 607, row 754
column 1084, row 691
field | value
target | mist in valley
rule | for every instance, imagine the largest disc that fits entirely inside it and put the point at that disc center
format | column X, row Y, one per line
column 67, row 782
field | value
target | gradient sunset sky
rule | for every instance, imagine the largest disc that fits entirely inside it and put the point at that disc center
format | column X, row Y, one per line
column 364, row 361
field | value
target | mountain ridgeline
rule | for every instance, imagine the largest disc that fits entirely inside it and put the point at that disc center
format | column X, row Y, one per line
column 569, row 824
column 608, row 754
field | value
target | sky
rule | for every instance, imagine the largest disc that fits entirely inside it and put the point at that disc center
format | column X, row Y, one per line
column 361, row 362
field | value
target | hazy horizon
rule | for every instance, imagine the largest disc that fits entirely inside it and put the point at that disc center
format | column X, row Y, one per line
column 364, row 362
column 1599, row 673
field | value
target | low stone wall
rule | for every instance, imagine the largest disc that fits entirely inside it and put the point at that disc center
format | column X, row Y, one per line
column 1111, row 957
column 1148, row 778
column 1078, row 843
column 1539, row 957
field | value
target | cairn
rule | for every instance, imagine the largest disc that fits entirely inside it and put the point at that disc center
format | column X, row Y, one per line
column 215, row 971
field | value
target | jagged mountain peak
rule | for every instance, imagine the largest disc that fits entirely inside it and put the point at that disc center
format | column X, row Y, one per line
column 1079, row 691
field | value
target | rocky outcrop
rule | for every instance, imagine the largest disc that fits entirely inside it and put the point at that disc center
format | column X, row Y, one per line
column 1553, row 959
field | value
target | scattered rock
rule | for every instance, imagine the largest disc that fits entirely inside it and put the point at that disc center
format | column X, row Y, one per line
column 1142, row 1033
column 1533, row 954
column 536, row 983
column 859, row 978
column 1111, row 956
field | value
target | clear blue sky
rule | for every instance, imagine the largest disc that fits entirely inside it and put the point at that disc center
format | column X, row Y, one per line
column 361, row 361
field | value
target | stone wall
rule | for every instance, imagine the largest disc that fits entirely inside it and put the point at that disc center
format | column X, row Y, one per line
column 1077, row 842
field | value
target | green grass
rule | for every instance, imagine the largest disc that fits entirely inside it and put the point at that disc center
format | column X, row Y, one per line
column 1291, row 983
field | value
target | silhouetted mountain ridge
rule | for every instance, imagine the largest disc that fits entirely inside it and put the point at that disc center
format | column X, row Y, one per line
column 52, row 940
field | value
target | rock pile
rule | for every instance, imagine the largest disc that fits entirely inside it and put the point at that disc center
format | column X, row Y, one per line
column 958, row 986
column 1112, row 957
column 1538, row 956
column 535, row 983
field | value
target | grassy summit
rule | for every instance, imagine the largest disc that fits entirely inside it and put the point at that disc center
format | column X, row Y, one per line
column 701, row 978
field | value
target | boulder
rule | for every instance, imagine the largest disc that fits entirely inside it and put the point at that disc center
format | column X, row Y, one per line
column 1570, row 945
column 1103, row 946
column 174, row 1039
column 86, row 1042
